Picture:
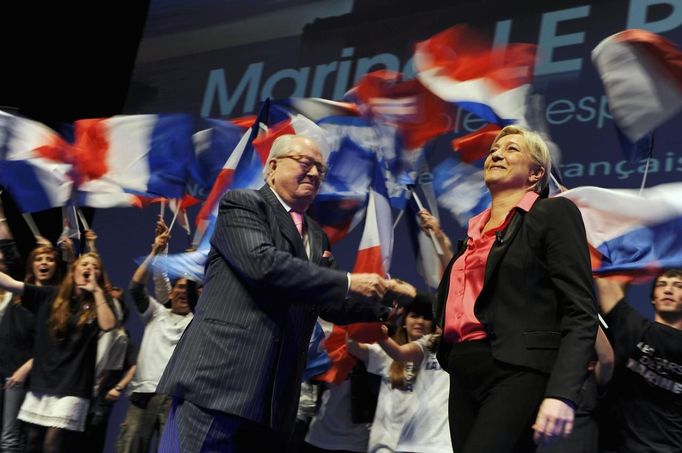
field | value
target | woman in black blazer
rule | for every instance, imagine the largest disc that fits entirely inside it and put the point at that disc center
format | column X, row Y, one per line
column 517, row 308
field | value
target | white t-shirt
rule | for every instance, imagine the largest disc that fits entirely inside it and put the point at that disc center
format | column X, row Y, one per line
column 161, row 334
column 392, row 404
column 332, row 427
column 426, row 428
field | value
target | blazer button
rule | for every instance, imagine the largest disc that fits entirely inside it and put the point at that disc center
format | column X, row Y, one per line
column 276, row 340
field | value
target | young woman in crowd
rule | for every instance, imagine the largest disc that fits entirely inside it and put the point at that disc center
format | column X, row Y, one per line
column 17, row 329
column 68, row 320
column 399, row 377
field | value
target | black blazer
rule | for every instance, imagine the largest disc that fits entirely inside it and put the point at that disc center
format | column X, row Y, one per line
column 537, row 303
column 245, row 350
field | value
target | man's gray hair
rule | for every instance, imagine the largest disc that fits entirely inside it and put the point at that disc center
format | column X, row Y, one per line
column 282, row 147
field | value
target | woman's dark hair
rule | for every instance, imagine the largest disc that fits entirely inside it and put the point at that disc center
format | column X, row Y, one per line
column 421, row 306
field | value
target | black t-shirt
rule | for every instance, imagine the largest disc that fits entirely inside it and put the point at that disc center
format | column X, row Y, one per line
column 63, row 367
column 111, row 377
column 647, row 384
column 17, row 330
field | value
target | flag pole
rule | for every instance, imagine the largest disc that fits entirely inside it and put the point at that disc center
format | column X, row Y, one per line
column 648, row 159
column 31, row 224
column 437, row 246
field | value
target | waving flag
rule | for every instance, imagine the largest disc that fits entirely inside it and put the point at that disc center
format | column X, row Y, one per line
column 460, row 189
column 428, row 261
column 476, row 145
column 459, row 67
column 213, row 143
column 374, row 256
column 243, row 161
column 316, row 109
column 642, row 75
column 33, row 164
column 117, row 159
column 339, row 206
column 376, row 244
column 417, row 113
column 629, row 232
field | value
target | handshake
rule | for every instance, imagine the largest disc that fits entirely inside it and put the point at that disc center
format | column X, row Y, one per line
column 372, row 286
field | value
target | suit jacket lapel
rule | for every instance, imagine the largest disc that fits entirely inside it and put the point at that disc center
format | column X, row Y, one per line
column 286, row 225
column 501, row 245
column 315, row 239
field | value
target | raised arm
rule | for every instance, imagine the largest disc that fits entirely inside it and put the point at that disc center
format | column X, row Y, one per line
column 409, row 352
column 610, row 293
column 139, row 280
column 359, row 350
column 605, row 358
column 90, row 241
column 9, row 284
column 429, row 223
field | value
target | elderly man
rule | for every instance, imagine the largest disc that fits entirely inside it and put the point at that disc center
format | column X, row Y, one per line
column 236, row 373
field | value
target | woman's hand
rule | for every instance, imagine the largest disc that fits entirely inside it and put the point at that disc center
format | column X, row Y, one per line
column 91, row 285
column 19, row 376
column 554, row 420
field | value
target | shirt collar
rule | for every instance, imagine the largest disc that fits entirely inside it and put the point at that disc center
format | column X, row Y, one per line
column 286, row 206
column 477, row 223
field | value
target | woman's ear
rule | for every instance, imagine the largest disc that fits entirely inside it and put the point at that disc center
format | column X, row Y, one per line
column 537, row 174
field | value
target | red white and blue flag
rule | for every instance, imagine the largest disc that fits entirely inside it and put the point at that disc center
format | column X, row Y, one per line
column 459, row 67
column 629, row 232
column 119, row 159
column 642, row 76
column 33, row 164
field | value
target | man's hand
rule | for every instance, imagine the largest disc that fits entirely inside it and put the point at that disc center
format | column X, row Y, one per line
column 401, row 292
column 371, row 286
column 554, row 420
column 112, row 395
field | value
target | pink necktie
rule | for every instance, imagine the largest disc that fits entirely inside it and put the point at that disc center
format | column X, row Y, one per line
column 297, row 217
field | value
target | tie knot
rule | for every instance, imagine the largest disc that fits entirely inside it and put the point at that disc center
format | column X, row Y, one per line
column 297, row 217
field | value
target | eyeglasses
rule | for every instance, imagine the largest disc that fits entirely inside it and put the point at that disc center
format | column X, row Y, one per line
column 307, row 163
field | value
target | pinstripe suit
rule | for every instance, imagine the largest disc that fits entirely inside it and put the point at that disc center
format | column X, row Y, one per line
column 245, row 350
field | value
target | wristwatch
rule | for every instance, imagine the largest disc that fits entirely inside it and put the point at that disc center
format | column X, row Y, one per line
column 118, row 388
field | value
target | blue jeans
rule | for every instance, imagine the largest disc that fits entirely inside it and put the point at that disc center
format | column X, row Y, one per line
column 13, row 436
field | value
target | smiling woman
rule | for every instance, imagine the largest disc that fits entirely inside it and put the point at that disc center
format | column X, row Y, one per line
column 516, row 308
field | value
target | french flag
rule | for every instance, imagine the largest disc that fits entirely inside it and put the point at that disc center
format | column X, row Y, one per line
column 374, row 256
column 120, row 158
column 339, row 205
column 428, row 262
column 642, row 75
column 213, row 143
column 316, row 109
column 460, row 189
column 629, row 232
column 476, row 145
column 459, row 67
column 376, row 245
column 417, row 113
column 33, row 164
column 243, row 160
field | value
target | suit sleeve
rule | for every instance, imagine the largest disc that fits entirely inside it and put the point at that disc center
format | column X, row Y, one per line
column 244, row 239
column 569, row 267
